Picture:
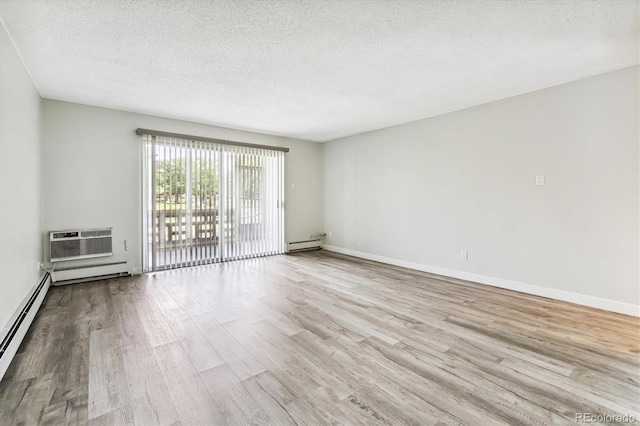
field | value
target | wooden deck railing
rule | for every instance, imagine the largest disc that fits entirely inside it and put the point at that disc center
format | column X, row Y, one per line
column 172, row 227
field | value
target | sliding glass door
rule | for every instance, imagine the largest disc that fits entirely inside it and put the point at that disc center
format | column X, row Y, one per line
column 206, row 202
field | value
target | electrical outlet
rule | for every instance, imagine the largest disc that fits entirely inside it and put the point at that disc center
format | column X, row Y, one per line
column 464, row 255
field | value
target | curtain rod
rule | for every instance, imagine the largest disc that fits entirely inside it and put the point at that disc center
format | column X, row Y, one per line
column 203, row 139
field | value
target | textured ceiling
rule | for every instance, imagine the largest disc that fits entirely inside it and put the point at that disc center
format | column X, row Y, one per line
column 315, row 69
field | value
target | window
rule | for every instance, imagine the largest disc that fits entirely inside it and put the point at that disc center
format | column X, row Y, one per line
column 208, row 202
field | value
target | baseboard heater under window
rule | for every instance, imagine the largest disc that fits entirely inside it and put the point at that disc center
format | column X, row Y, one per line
column 78, row 274
column 307, row 245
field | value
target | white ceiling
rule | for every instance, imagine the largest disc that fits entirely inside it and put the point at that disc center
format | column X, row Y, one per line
column 314, row 69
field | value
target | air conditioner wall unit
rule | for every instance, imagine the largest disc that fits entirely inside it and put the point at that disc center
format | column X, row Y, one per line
column 84, row 244
column 80, row 244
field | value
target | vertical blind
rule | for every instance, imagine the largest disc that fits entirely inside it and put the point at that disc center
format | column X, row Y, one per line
column 206, row 202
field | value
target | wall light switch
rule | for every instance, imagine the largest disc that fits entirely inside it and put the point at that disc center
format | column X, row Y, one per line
column 293, row 186
column 540, row 180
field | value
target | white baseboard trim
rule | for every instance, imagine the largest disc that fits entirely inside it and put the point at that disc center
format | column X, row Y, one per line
column 11, row 350
column 566, row 296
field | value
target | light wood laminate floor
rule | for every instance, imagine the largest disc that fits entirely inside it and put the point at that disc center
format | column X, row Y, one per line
column 316, row 338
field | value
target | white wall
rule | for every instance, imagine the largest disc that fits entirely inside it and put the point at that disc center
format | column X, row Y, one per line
column 92, row 172
column 419, row 193
column 20, row 182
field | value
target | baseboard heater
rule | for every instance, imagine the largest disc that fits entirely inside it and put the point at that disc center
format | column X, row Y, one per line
column 18, row 329
column 79, row 274
column 307, row 245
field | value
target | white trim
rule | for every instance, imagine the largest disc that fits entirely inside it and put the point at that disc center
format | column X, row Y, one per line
column 566, row 296
column 7, row 357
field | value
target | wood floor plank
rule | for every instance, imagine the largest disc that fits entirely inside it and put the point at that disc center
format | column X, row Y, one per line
column 268, row 355
column 316, row 338
column 108, row 387
column 192, row 400
column 25, row 402
column 154, row 323
column 306, row 411
column 278, row 390
column 546, row 395
column 200, row 351
column 166, row 304
column 278, row 319
column 151, row 403
column 127, row 318
column 120, row 416
column 269, row 404
column 370, row 405
column 449, row 401
column 299, row 377
column 242, row 363
column 234, row 401
column 71, row 373
column 71, row 412
column 42, row 348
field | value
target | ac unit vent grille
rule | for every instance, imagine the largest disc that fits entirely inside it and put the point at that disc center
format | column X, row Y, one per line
column 97, row 246
column 65, row 248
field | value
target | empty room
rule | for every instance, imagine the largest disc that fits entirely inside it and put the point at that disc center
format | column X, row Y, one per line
column 319, row 212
